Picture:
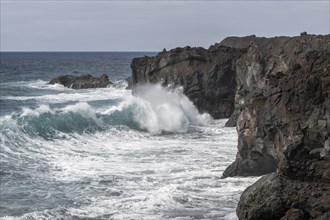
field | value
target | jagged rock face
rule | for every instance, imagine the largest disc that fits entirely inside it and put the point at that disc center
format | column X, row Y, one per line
column 82, row 82
column 207, row 76
column 283, row 100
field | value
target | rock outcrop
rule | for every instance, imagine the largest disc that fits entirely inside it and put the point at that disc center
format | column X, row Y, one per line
column 206, row 75
column 82, row 82
column 282, row 114
column 279, row 197
column 283, row 107
column 280, row 83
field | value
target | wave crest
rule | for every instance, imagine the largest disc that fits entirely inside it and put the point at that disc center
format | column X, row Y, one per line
column 165, row 110
column 151, row 108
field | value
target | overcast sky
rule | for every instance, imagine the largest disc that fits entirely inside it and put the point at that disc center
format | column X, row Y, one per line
column 82, row 25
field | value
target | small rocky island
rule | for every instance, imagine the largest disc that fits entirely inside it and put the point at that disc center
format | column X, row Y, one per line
column 277, row 92
column 82, row 82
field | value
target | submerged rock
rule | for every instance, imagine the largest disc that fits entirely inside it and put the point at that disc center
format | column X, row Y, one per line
column 82, row 82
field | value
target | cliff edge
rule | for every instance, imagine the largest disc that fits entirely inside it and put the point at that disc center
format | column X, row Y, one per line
column 283, row 105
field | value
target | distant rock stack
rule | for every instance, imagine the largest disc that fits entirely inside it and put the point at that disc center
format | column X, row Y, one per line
column 82, row 82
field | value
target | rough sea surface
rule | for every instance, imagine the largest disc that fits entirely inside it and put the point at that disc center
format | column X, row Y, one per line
column 105, row 153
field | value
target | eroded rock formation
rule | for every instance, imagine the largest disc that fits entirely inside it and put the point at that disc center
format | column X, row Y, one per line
column 82, row 82
column 281, row 85
column 282, row 103
column 283, row 100
column 206, row 75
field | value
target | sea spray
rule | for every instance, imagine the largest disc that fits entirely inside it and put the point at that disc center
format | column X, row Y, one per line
column 152, row 108
column 159, row 109
column 83, row 154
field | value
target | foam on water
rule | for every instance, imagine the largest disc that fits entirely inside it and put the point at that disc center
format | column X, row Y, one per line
column 66, row 95
column 157, row 110
column 171, row 104
column 150, row 155
column 152, row 108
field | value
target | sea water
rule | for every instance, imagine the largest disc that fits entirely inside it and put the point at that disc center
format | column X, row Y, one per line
column 107, row 153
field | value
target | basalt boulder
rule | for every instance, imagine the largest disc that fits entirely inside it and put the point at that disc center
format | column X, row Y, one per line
column 279, row 197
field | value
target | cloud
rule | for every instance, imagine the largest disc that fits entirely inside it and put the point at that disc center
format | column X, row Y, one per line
column 147, row 25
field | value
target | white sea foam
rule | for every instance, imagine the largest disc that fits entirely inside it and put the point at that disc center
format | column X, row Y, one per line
column 41, row 84
column 115, row 91
column 128, row 174
column 122, row 172
column 84, row 109
column 36, row 112
column 73, row 95
column 157, row 109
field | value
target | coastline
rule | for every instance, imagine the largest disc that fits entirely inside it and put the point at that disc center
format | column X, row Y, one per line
column 282, row 102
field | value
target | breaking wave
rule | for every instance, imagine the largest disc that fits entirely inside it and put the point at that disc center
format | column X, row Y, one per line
column 106, row 153
column 152, row 109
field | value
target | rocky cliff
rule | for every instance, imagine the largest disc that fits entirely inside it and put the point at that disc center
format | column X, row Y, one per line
column 206, row 75
column 283, row 105
column 281, row 82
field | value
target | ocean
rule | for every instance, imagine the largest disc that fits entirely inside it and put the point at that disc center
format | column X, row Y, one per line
column 106, row 153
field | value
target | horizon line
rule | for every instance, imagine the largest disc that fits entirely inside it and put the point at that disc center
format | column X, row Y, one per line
column 78, row 51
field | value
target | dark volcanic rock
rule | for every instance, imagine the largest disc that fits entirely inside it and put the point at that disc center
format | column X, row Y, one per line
column 232, row 121
column 206, row 75
column 277, row 197
column 283, row 103
column 82, row 82
column 283, row 85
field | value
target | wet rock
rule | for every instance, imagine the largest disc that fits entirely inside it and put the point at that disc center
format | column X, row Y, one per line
column 129, row 81
column 207, row 76
column 82, row 82
column 232, row 121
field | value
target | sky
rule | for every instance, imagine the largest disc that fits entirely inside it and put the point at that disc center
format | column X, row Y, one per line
column 107, row 25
